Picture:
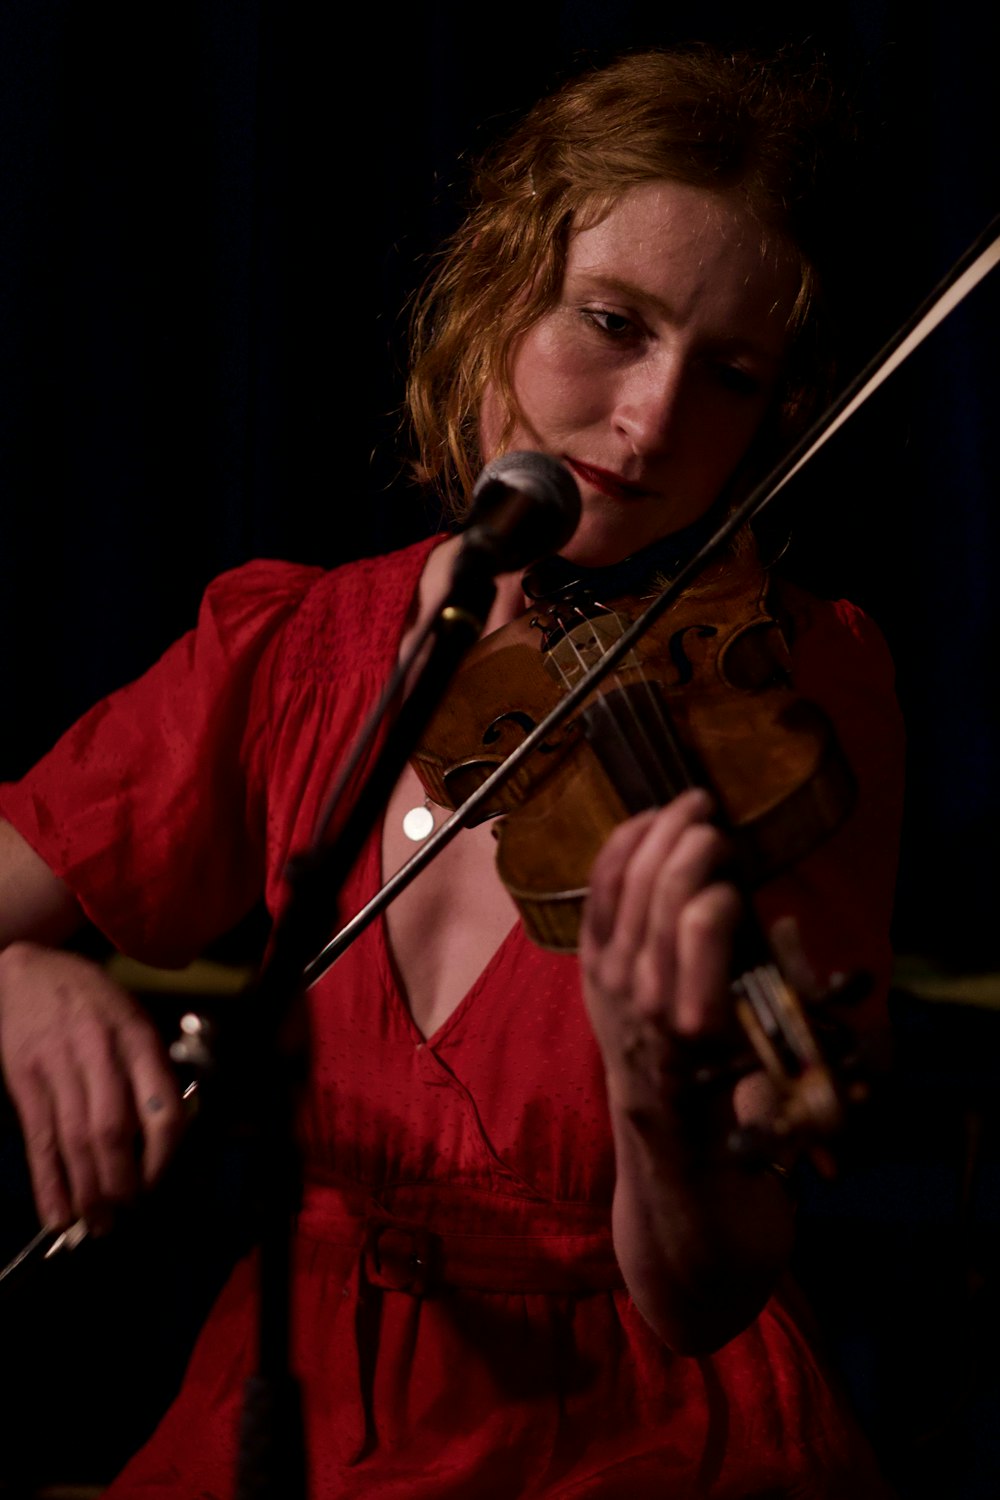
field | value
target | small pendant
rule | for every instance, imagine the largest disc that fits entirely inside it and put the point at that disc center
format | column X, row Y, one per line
column 419, row 822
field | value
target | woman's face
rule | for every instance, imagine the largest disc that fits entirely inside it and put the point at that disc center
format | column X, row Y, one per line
column 653, row 371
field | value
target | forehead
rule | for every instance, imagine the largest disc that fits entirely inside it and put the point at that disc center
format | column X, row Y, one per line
column 690, row 247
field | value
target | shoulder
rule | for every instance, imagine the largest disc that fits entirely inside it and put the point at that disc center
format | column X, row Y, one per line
column 840, row 661
column 249, row 597
column 834, row 639
column 313, row 608
column 354, row 615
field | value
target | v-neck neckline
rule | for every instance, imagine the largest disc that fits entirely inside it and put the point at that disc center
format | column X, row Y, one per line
column 397, row 983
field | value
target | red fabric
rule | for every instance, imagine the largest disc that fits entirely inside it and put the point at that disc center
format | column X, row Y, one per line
column 461, row 1327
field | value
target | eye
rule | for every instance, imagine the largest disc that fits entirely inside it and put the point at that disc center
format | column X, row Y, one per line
column 736, row 379
column 614, row 324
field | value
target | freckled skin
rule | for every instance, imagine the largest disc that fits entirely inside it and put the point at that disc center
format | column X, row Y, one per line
column 649, row 377
column 657, row 363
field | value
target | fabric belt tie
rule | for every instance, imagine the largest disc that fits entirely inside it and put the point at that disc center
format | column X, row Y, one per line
column 402, row 1257
column 387, row 1250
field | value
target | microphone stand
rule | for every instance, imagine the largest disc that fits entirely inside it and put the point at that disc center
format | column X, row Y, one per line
column 272, row 1461
column 525, row 506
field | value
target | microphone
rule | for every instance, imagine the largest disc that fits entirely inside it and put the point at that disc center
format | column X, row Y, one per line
column 525, row 506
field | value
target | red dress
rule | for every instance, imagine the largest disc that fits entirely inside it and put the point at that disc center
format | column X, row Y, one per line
column 461, row 1326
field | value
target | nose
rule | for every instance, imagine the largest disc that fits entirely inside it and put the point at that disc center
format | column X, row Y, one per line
column 648, row 404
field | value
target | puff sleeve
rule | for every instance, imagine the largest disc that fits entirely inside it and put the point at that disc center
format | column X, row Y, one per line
column 152, row 807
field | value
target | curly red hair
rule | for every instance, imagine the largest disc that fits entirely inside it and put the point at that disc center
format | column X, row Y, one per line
column 723, row 122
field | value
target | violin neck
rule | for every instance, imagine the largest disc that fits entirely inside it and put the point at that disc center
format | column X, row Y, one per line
column 630, row 731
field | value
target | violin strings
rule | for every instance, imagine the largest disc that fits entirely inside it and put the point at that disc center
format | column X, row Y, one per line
column 663, row 720
column 657, row 793
column 774, row 1013
column 612, row 714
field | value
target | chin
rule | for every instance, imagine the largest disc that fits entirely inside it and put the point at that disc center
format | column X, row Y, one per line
column 593, row 555
column 600, row 541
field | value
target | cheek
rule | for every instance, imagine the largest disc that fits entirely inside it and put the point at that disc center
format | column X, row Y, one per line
column 735, row 438
column 726, row 430
column 491, row 419
column 761, row 425
column 553, row 377
column 532, row 378
column 559, row 394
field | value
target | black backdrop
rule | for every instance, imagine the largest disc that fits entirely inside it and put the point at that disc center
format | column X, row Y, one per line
column 213, row 213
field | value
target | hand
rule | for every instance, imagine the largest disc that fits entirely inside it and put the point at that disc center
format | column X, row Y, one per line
column 699, row 1239
column 98, row 1102
column 655, row 950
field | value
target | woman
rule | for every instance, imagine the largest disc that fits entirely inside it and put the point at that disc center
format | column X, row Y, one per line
column 636, row 294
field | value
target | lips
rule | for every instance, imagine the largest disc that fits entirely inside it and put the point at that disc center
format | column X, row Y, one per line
column 607, row 482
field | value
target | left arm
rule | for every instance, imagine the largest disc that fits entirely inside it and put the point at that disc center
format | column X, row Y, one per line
column 700, row 1238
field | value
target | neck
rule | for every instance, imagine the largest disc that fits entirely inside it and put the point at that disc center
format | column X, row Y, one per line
column 509, row 603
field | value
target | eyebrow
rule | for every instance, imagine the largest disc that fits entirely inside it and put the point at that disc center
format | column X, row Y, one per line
column 631, row 292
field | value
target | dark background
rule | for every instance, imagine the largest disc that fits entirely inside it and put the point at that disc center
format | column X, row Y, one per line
column 212, row 215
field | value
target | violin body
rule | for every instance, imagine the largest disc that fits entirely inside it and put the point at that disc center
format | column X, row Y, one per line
column 705, row 698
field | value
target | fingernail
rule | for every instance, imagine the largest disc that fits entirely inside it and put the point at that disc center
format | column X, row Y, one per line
column 700, row 800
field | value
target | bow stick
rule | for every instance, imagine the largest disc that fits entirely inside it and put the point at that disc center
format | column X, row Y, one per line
column 966, row 274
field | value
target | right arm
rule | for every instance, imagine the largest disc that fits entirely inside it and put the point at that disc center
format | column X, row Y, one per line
column 98, row 1102
column 152, row 807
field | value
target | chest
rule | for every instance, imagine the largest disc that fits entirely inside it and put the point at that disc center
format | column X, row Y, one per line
column 445, row 927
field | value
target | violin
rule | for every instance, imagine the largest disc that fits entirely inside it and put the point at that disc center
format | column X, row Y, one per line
column 783, row 791
column 977, row 262
column 703, row 699
column 746, row 648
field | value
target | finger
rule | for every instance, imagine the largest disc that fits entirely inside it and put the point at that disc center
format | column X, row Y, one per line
column 48, row 1183
column 697, row 854
column 706, row 930
column 635, row 862
column 661, row 849
column 606, row 878
column 155, row 1096
column 786, row 944
column 162, row 1120
column 70, row 1115
column 112, row 1125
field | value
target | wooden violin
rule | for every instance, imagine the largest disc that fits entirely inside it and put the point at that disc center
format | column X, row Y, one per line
column 703, row 699
column 799, row 788
column 784, row 1044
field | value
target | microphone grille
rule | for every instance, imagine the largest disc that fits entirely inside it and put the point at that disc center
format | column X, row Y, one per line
column 544, row 478
column 525, row 506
